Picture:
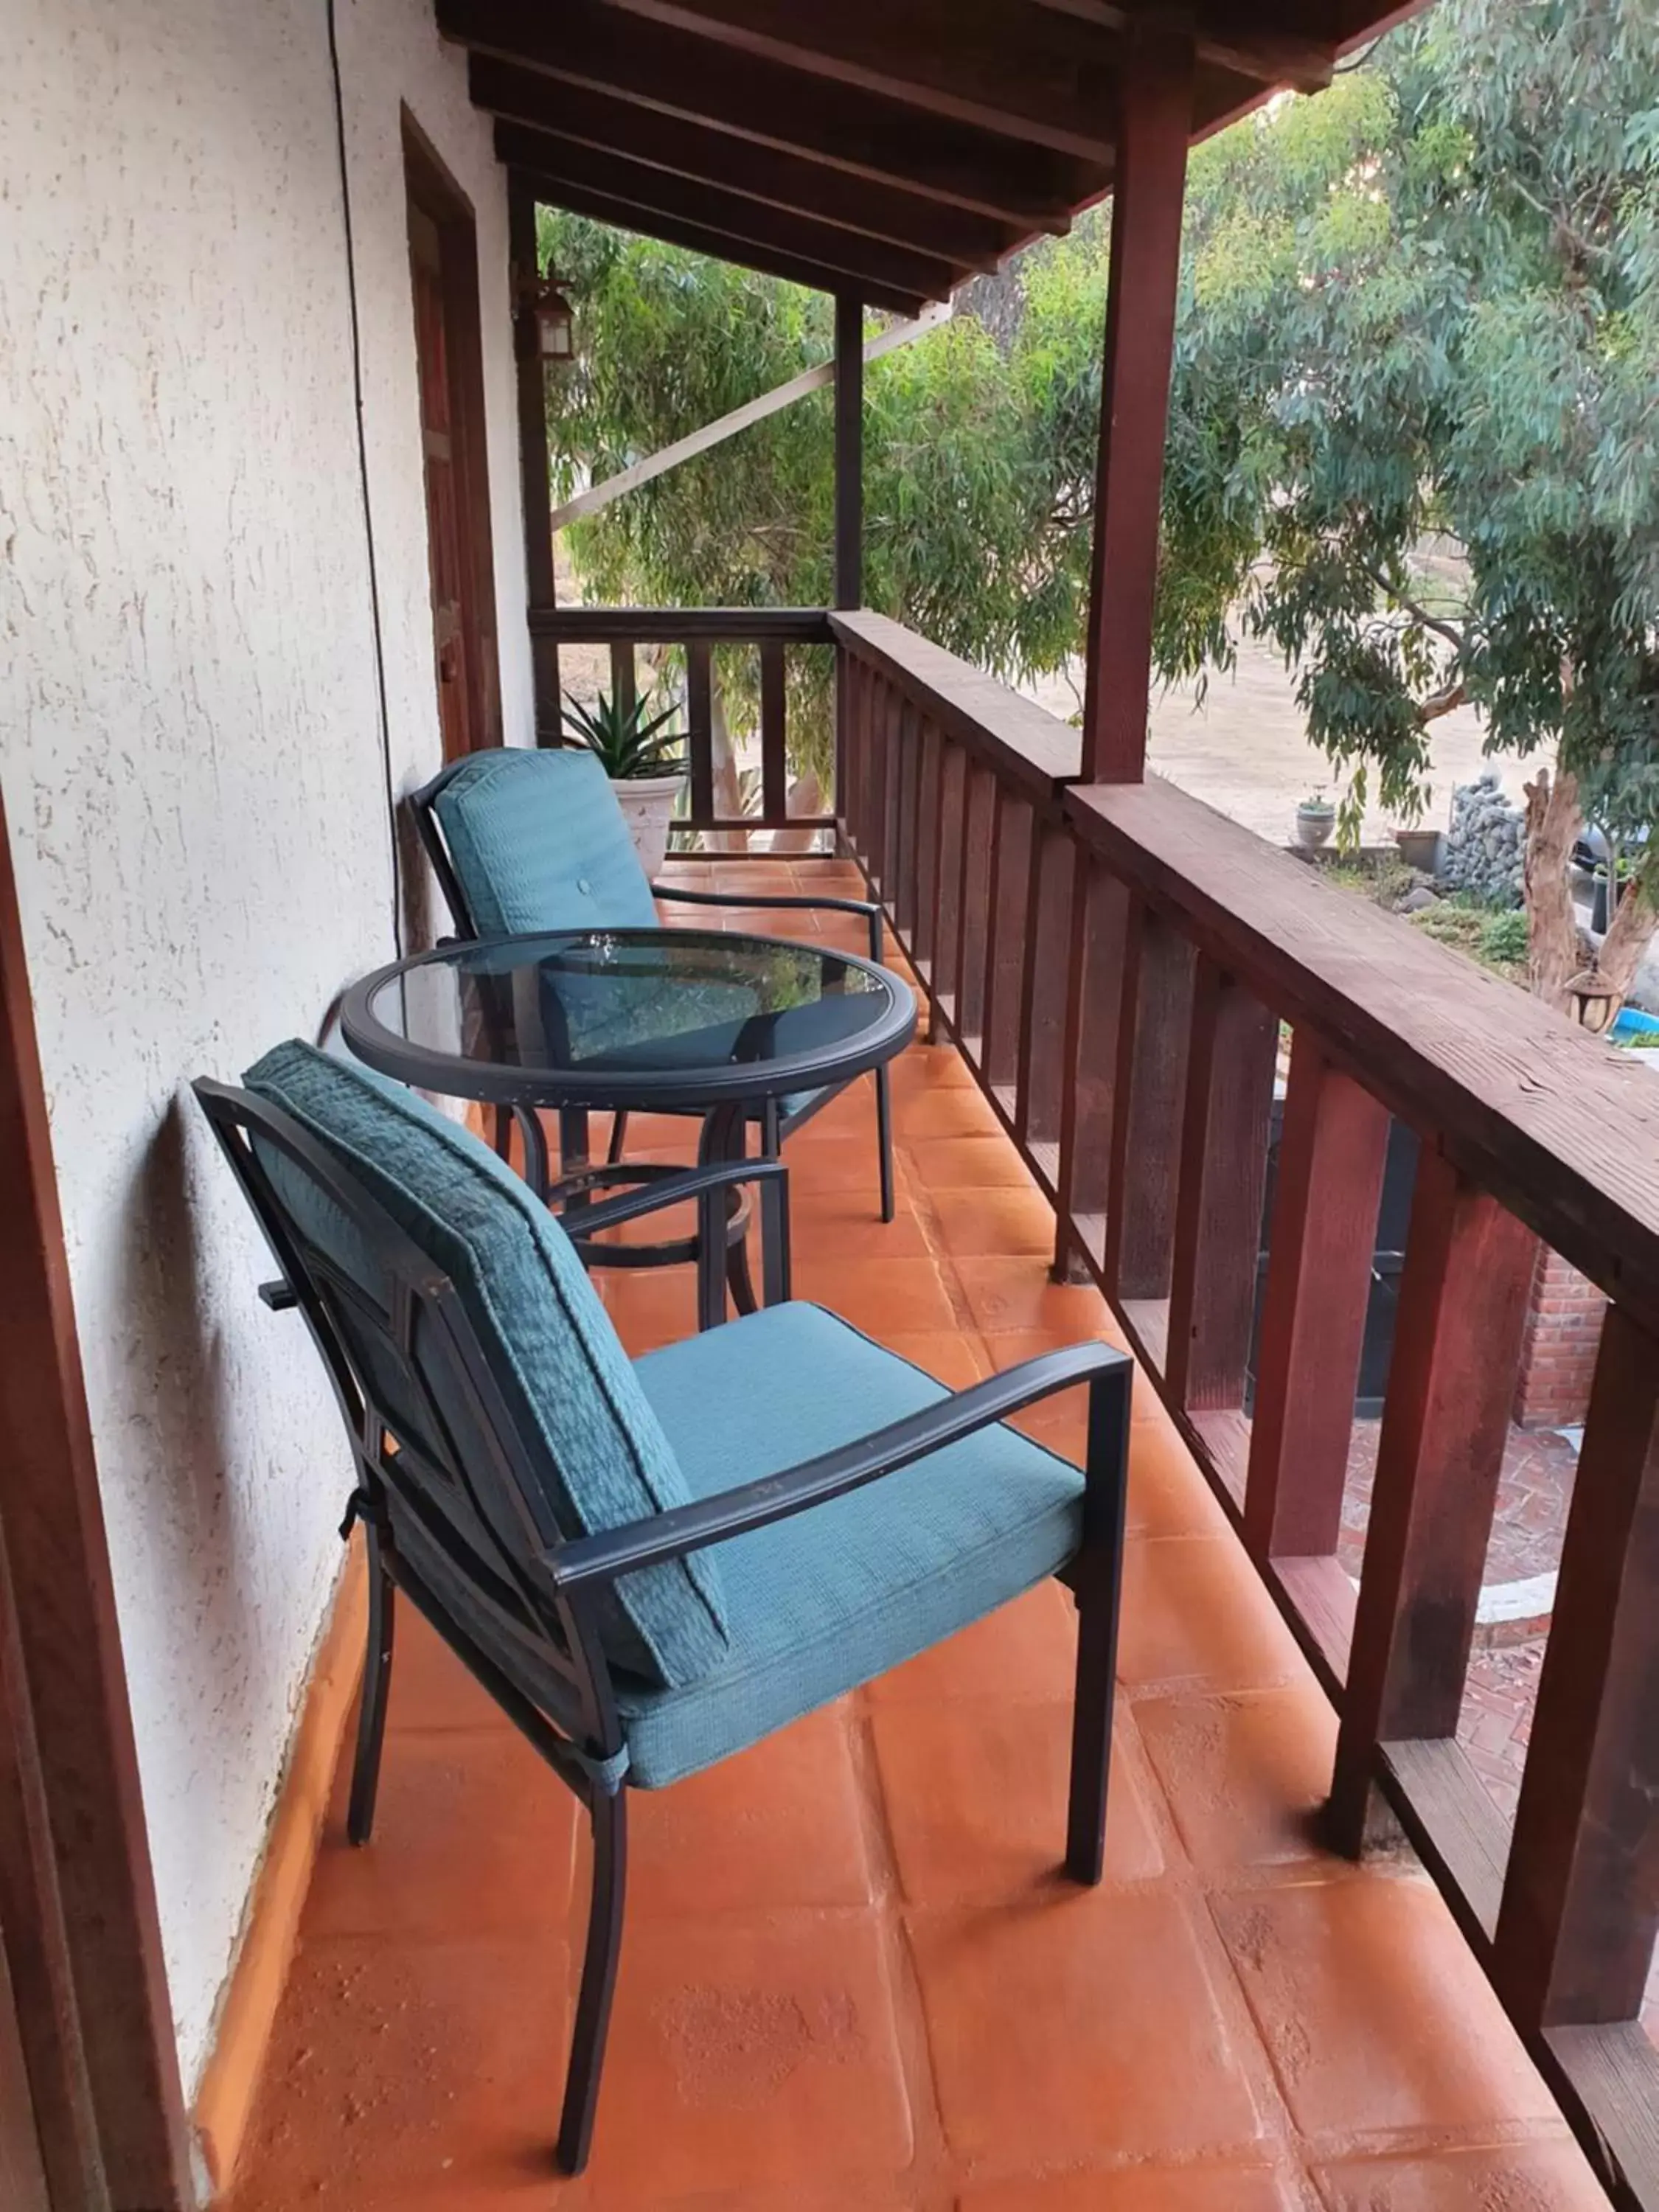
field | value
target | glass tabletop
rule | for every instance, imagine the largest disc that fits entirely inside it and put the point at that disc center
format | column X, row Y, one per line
column 629, row 1017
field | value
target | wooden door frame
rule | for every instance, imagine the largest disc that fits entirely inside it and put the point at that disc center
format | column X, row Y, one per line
column 82, row 1931
column 432, row 189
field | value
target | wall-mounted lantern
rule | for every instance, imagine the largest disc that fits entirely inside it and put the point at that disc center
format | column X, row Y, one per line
column 546, row 319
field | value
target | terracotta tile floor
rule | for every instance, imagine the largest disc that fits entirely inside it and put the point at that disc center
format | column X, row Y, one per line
column 852, row 1981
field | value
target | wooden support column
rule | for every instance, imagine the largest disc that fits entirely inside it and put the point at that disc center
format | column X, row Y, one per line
column 1155, row 113
column 1463, row 1298
column 848, row 580
column 533, row 460
column 849, row 450
column 1576, row 1930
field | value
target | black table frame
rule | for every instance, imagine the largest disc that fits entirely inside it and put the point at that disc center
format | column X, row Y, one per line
column 727, row 1094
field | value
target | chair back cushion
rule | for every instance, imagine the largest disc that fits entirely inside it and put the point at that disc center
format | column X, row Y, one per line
column 595, row 1449
column 538, row 841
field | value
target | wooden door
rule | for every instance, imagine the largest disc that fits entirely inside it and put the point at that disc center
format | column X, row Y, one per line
column 449, row 356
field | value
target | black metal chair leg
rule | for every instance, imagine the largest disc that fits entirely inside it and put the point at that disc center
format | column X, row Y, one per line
column 377, row 1682
column 618, row 1139
column 884, row 1140
column 1092, row 1737
column 1097, row 1576
column 609, row 1814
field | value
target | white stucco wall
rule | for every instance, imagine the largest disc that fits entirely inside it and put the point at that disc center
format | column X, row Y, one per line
column 192, row 770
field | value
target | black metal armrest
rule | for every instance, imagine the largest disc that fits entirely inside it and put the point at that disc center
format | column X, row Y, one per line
column 808, row 900
column 611, row 1212
column 672, row 1536
column 279, row 1296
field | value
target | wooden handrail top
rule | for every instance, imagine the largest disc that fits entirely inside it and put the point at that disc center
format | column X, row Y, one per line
column 1028, row 743
column 1560, row 1128
column 681, row 625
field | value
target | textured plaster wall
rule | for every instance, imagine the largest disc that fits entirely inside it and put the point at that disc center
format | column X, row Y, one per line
column 192, row 771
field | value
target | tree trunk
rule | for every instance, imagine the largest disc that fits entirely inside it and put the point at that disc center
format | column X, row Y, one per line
column 1629, row 934
column 1554, row 956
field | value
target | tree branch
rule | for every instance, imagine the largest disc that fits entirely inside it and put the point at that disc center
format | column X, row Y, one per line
column 1420, row 614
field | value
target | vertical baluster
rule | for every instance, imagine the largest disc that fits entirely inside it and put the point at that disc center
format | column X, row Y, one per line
column 624, row 690
column 773, row 736
column 700, row 731
column 875, row 782
column 1224, row 1126
column 929, row 814
column 947, row 934
column 1011, row 860
column 1148, row 1088
column 1040, row 1105
column 892, row 792
column 1096, row 969
column 1323, row 1230
column 1575, row 1931
column 860, row 741
column 1463, row 1298
column 973, row 909
column 903, row 904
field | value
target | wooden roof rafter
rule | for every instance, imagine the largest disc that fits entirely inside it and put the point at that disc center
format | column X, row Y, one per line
column 885, row 147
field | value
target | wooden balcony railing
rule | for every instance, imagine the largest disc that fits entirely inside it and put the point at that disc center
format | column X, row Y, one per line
column 1117, row 964
column 771, row 633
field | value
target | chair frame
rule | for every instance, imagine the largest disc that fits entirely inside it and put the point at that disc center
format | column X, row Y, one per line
column 775, row 1125
column 558, row 1586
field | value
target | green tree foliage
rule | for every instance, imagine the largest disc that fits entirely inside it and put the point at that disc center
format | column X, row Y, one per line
column 1419, row 317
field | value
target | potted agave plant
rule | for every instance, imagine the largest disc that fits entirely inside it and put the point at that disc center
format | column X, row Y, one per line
column 645, row 761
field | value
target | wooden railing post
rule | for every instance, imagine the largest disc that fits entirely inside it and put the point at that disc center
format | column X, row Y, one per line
column 1576, row 1930
column 1094, row 1014
column 1223, row 1166
column 1039, row 1105
column 1463, row 1298
column 1148, row 1086
column 1011, row 858
column 1331, row 1151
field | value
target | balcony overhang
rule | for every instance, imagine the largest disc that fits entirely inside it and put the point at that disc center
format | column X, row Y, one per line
column 886, row 147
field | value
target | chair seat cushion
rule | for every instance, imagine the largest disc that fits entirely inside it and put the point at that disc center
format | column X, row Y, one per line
column 551, row 1348
column 827, row 1599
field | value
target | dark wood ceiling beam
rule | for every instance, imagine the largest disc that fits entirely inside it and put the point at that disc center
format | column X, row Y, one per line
column 992, row 63
column 1265, row 56
column 579, row 117
column 588, row 43
column 554, row 164
column 673, row 230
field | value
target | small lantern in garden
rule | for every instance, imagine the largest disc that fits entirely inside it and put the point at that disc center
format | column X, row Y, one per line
column 1594, row 1003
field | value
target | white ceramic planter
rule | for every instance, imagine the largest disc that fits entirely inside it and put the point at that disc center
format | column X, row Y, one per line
column 647, row 807
column 1314, row 824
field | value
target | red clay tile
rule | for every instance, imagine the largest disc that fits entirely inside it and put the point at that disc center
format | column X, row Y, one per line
column 824, row 1162
column 1145, row 2189
column 749, row 2053
column 779, row 1824
column 944, row 1110
column 1024, row 1650
column 364, row 2102
column 1245, row 1777
column 929, row 1067
column 1550, row 2177
column 982, row 1163
column 906, row 1295
column 1080, row 2026
column 1195, row 1612
column 976, row 1222
column 846, row 1224
column 430, row 1688
column 976, row 1795
column 1374, row 2011
column 1014, row 1292
column 954, row 1358
column 473, row 1835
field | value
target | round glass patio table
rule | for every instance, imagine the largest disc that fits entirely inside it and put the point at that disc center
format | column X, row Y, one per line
column 669, row 1020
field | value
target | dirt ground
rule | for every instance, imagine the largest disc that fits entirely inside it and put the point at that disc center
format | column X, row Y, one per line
column 1245, row 750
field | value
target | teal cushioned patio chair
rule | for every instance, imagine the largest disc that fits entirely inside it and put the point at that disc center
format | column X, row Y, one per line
column 649, row 1564
column 525, row 840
